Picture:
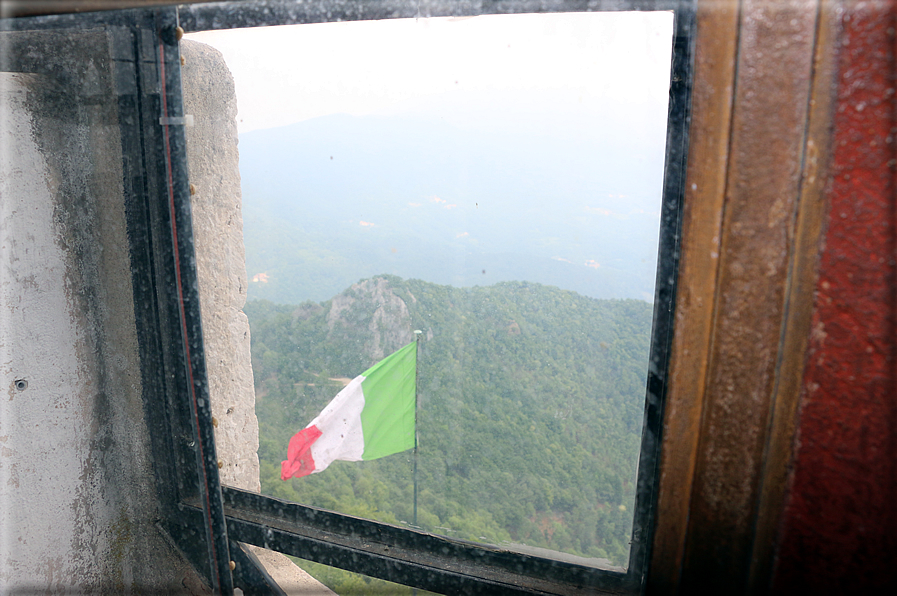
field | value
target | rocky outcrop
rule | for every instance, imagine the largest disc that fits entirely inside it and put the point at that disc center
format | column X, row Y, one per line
column 373, row 311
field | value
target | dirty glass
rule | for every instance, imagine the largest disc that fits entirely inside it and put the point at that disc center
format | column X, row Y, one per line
column 492, row 182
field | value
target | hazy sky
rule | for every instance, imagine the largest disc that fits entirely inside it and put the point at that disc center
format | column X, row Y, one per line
column 588, row 61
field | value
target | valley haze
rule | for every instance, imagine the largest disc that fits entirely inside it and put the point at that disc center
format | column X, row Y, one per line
column 335, row 199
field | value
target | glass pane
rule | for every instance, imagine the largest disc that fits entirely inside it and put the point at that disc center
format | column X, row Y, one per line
column 495, row 183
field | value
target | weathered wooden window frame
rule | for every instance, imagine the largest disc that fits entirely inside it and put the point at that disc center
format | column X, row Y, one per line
column 208, row 521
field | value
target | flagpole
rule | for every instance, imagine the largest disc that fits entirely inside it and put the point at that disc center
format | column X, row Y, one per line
column 417, row 334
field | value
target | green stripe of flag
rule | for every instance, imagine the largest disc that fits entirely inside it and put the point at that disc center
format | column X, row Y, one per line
column 387, row 419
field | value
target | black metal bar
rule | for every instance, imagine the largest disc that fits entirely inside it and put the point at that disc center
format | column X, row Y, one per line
column 250, row 575
column 186, row 289
column 258, row 13
column 325, row 536
column 134, row 69
column 32, row 8
column 437, row 578
column 71, row 19
column 665, row 289
column 154, row 270
column 135, row 105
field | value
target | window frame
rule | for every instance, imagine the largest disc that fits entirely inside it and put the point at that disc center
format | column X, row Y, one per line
column 207, row 520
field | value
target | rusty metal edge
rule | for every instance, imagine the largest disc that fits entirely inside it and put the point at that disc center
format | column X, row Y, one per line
column 715, row 59
column 740, row 382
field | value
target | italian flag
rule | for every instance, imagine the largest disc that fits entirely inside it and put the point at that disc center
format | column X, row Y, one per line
column 373, row 416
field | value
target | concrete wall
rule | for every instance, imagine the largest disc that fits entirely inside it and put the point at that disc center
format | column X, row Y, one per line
column 77, row 496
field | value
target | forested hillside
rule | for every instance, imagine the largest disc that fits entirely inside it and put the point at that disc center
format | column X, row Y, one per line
column 531, row 403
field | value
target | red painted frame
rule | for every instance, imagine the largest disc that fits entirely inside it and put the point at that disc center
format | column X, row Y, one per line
column 839, row 531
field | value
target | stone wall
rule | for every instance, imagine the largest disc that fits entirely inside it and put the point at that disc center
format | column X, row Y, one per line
column 218, row 232
column 220, row 261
